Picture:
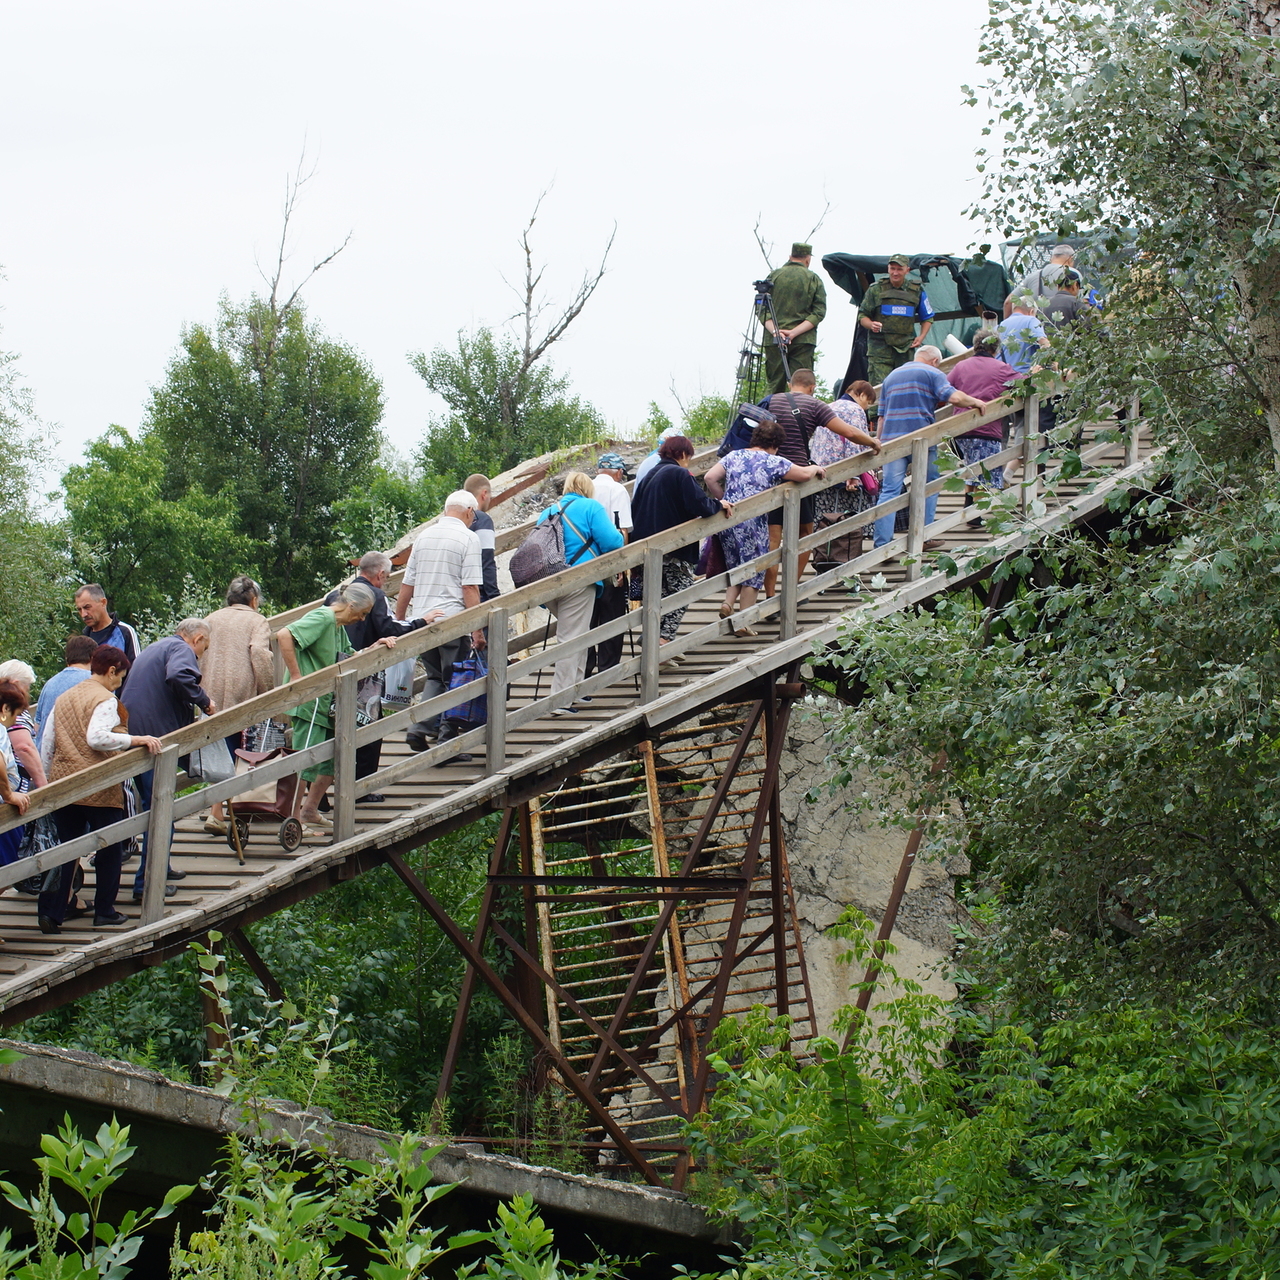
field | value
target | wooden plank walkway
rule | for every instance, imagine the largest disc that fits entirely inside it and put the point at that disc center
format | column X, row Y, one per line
column 39, row 972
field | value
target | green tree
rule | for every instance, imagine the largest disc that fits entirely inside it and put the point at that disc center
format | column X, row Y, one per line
column 501, row 408
column 396, row 496
column 33, row 621
column 143, row 546
column 503, row 405
column 1154, row 118
column 264, row 406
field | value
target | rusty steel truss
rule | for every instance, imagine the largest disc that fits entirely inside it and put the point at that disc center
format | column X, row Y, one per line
column 635, row 906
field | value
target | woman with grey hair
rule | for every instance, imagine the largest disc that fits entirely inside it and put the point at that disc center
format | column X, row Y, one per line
column 237, row 665
column 310, row 644
column 22, row 733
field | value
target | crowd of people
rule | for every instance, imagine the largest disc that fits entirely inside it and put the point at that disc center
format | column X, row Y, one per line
column 114, row 694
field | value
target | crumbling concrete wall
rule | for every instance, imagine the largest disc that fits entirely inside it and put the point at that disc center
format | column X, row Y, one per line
column 838, row 858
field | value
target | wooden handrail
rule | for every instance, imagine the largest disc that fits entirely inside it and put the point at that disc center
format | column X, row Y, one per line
column 341, row 679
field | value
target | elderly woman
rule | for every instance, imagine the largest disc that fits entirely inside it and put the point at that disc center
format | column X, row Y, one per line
column 588, row 533
column 827, row 448
column 666, row 497
column 237, row 664
column 87, row 727
column 742, row 474
column 22, row 733
column 310, row 644
column 13, row 702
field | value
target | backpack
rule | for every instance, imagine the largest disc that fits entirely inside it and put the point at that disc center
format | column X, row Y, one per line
column 741, row 429
column 541, row 554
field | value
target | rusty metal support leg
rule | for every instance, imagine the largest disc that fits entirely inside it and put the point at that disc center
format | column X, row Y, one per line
column 896, row 893
column 663, row 922
column 777, row 887
column 776, row 728
column 531, row 1026
column 255, row 962
column 458, row 1030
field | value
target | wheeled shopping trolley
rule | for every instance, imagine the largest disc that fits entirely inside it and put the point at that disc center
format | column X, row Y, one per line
column 271, row 802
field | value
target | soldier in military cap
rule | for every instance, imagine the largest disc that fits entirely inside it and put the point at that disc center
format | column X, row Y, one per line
column 890, row 312
column 799, row 302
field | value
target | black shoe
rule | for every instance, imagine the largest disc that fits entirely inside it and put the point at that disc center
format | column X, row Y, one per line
column 170, row 890
column 463, row 757
column 374, row 797
column 48, row 925
column 75, row 911
column 416, row 741
column 324, row 806
column 175, row 874
column 115, row 917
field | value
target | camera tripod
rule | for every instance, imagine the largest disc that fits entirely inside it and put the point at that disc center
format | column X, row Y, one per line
column 749, row 383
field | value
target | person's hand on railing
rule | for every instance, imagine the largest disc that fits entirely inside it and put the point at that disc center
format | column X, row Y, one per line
column 727, row 508
column 383, row 642
column 146, row 740
column 19, row 800
column 434, row 616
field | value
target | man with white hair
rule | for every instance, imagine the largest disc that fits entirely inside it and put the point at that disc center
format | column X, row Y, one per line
column 160, row 696
column 373, row 571
column 443, row 576
column 1042, row 284
column 909, row 399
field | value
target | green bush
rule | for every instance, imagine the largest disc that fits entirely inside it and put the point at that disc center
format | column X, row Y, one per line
column 1127, row 1142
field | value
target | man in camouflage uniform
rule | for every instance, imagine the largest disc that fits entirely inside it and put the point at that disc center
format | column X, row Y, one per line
column 890, row 312
column 799, row 302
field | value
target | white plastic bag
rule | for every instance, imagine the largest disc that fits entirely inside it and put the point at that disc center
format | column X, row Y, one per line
column 398, row 680
column 212, row 763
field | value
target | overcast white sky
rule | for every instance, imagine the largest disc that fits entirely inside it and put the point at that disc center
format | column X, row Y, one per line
column 147, row 145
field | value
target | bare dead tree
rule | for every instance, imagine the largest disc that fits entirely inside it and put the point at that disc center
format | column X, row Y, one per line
column 264, row 345
column 534, row 348
column 817, row 226
column 766, row 250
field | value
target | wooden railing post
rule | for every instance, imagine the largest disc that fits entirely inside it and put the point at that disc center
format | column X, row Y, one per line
column 344, row 757
column 495, row 743
column 915, row 506
column 650, row 619
column 788, row 575
column 1131, row 453
column 164, row 782
column 1030, row 448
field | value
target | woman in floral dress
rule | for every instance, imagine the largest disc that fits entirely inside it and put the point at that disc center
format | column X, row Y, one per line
column 826, row 448
column 742, row 474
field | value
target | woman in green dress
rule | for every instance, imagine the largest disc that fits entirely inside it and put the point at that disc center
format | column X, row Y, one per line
column 311, row 643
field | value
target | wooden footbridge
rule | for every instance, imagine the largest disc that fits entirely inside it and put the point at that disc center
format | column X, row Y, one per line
column 639, row 885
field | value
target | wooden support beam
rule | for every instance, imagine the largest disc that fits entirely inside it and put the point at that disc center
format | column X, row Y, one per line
column 241, row 942
column 159, row 833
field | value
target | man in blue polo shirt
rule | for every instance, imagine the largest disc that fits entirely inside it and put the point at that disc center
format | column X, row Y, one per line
column 909, row 400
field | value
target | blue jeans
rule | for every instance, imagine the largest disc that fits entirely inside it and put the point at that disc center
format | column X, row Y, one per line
column 891, row 483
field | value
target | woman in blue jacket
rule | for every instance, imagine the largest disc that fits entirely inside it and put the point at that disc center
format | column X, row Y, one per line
column 588, row 533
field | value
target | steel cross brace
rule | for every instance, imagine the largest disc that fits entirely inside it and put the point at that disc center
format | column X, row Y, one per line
column 610, row 1042
column 571, row 1078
